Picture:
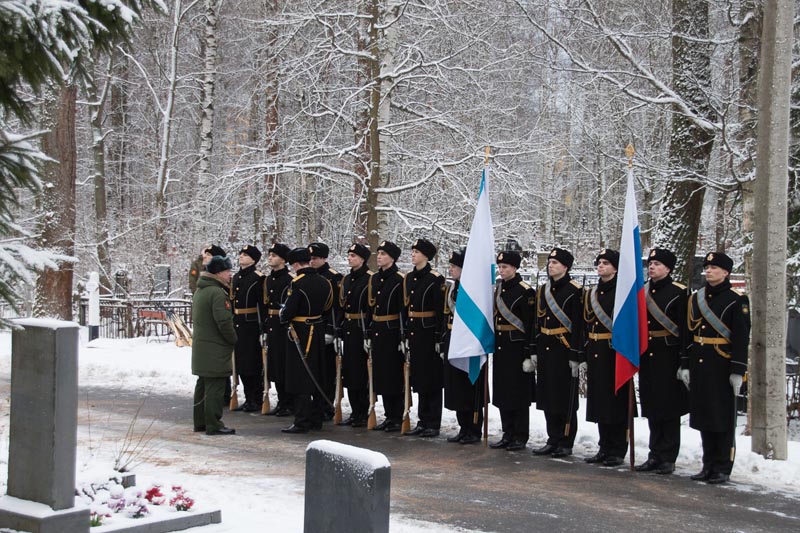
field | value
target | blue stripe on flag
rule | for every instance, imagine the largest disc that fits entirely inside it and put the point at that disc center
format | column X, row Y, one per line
column 475, row 320
column 626, row 340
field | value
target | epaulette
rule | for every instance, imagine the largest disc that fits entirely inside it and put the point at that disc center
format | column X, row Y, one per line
column 293, row 275
column 679, row 285
column 576, row 284
column 739, row 292
column 297, row 277
column 259, row 274
column 524, row 285
column 370, row 273
column 334, row 272
column 435, row 273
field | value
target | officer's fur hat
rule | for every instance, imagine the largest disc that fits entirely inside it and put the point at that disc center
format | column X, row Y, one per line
column 360, row 249
column 426, row 247
column 252, row 251
column 281, row 250
column 218, row 264
column 390, row 248
column 562, row 256
column 318, row 249
column 509, row 257
column 612, row 256
column 719, row 259
column 664, row 256
column 299, row 255
column 457, row 258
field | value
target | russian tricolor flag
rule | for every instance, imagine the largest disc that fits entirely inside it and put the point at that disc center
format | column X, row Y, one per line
column 629, row 332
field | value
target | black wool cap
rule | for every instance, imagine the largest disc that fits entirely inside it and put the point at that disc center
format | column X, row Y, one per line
column 361, row 250
column 252, row 251
column 218, row 264
column 390, row 248
column 457, row 258
column 612, row 256
column 216, row 250
column 281, row 250
column 509, row 257
column 719, row 259
column 426, row 247
column 562, row 256
column 299, row 255
column 664, row 256
column 318, row 249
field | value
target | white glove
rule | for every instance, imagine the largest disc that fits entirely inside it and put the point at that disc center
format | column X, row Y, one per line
column 367, row 345
column 736, row 382
column 529, row 365
column 437, row 346
column 339, row 345
column 534, row 359
column 575, row 367
column 328, row 338
column 683, row 375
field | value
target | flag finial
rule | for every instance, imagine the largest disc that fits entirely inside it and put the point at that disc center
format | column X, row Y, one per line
column 629, row 151
column 486, row 155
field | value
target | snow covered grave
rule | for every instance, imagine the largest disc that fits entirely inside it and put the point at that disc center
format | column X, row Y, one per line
column 347, row 489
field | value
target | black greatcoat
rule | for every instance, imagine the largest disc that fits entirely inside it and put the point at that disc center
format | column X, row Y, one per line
column 459, row 392
column 276, row 288
column 333, row 321
column 603, row 405
column 710, row 366
column 553, row 375
column 309, row 296
column 354, row 303
column 423, row 294
column 248, row 305
column 385, row 295
column 663, row 396
column 512, row 387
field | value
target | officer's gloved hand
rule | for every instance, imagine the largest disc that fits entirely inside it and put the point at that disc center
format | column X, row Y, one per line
column 338, row 345
column 328, row 338
column 263, row 339
column 575, row 367
column 529, row 364
column 683, row 375
column 437, row 346
column 367, row 345
column 736, row 382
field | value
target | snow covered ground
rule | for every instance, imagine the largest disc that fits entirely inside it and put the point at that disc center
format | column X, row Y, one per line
column 161, row 367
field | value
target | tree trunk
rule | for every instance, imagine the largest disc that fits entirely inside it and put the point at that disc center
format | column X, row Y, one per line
column 57, row 202
column 768, row 370
column 97, row 106
column 689, row 145
column 209, row 83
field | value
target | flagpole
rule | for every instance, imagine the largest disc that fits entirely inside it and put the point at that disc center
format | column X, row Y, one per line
column 630, row 151
column 486, row 373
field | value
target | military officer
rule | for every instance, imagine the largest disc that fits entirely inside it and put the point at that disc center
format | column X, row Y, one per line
column 460, row 394
column 310, row 296
column 513, row 388
column 275, row 290
column 385, row 294
column 604, row 405
column 423, row 298
column 716, row 361
column 354, row 302
column 333, row 321
column 247, row 299
column 663, row 398
column 558, row 315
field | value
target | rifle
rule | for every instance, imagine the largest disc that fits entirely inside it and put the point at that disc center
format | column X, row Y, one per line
column 337, row 398
column 263, row 338
column 406, row 427
column 372, row 420
column 234, row 398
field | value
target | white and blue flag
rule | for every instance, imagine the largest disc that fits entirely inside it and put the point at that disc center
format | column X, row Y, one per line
column 472, row 338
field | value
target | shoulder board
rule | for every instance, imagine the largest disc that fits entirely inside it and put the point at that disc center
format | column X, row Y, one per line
column 679, row 285
column 576, row 284
column 293, row 275
column 739, row 292
column 370, row 273
column 259, row 274
column 402, row 276
column 524, row 285
column 435, row 273
column 297, row 277
column 334, row 272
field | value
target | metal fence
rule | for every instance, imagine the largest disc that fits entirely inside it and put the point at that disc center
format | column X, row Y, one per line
column 134, row 317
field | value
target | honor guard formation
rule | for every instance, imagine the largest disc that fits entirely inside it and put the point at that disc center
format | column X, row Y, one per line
column 312, row 332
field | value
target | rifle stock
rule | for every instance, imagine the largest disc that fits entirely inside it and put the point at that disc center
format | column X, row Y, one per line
column 406, row 427
column 371, row 419
column 234, row 397
column 337, row 401
column 265, row 407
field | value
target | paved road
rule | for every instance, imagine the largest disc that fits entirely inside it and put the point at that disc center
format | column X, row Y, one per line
column 468, row 486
